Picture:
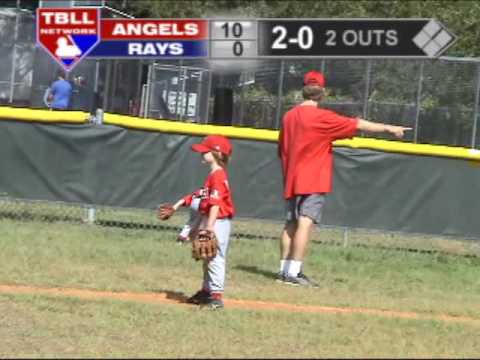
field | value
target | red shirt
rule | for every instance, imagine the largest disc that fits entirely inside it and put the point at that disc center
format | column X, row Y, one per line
column 305, row 148
column 215, row 191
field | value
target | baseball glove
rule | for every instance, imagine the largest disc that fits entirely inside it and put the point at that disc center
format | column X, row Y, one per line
column 165, row 211
column 204, row 245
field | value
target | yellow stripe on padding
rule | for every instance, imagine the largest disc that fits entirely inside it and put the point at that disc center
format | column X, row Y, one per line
column 168, row 126
column 410, row 148
column 178, row 127
column 45, row 116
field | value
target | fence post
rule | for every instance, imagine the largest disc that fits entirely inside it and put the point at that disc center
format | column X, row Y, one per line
column 264, row 111
column 242, row 102
column 139, row 87
column 97, row 76
column 180, row 68
column 184, row 109
column 14, row 62
column 279, row 95
column 142, row 101
column 197, row 116
column 106, row 90
column 367, row 88
column 475, row 107
column 345, row 237
column 114, row 87
column 209, row 93
column 90, row 215
column 418, row 101
column 151, row 70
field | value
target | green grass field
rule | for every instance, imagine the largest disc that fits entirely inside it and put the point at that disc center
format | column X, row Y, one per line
column 92, row 257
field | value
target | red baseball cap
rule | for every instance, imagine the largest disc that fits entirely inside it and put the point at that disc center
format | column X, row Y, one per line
column 214, row 143
column 314, row 78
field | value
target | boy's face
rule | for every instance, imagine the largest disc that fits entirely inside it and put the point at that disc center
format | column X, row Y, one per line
column 207, row 158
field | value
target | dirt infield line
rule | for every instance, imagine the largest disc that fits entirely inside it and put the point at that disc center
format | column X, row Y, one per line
column 179, row 299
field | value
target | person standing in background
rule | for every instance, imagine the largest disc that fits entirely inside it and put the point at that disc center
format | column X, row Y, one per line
column 82, row 95
column 60, row 92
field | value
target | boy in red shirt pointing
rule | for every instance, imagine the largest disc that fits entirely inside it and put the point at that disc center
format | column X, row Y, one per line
column 305, row 150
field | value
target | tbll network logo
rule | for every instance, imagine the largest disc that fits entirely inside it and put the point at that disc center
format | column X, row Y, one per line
column 68, row 35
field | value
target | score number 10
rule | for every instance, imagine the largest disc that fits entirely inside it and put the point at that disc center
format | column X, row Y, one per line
column 237, row 32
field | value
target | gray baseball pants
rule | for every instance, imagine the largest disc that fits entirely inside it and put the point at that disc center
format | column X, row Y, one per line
column 214, row 270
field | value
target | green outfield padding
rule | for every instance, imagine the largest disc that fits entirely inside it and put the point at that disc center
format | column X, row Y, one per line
column 114, row 166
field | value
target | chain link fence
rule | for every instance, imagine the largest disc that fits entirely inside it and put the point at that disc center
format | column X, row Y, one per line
column 21, row 210
column 439, row 99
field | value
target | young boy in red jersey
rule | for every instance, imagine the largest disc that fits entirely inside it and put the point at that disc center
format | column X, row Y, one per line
column 215, row 210
column 305, row 150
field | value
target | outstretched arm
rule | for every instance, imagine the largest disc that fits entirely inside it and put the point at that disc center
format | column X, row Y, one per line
column 365, row 125
column 178, row 204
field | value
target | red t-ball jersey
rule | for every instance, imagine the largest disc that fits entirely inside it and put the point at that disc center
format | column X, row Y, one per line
column 305, row 148
column 215, row 191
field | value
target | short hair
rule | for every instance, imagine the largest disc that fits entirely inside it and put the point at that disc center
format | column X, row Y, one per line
column 61, row 73
column 313, row 92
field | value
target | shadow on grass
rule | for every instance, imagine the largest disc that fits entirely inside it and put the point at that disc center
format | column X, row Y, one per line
column 173, row 295
column 256, row 270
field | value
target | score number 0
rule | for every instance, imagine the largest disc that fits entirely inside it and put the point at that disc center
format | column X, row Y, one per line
column 304, row 38
column 237, row 31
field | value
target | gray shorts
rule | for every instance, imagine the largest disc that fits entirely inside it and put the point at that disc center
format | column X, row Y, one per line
column 306, row 205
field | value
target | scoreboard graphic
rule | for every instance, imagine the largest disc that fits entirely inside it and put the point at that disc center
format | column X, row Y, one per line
column 81, row 34
column 146, row 38
column 68, row 35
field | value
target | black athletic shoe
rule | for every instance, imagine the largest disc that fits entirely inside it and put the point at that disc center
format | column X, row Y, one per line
column 280, row 276
column 308, row 280
column 200, row 297
column 213, row 304
column 300, row 280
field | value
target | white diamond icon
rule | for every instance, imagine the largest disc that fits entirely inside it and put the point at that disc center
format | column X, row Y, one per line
column 443, row 38
column 432, row 48
column 421, row 39
column 433, row 39
column 432, row 28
